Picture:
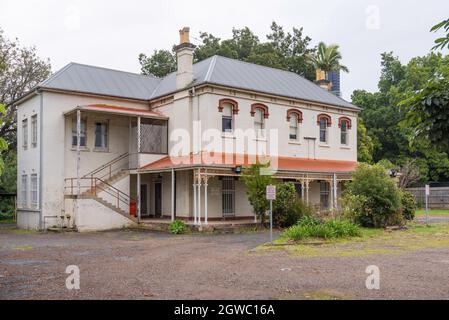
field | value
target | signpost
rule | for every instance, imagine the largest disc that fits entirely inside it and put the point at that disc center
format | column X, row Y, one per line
column 427, row 203
column 271, row 195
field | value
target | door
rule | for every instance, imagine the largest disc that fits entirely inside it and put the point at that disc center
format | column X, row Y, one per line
column 158, row 199
column 144, row 199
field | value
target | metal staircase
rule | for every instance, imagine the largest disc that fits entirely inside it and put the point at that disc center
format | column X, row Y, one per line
column 98, row 185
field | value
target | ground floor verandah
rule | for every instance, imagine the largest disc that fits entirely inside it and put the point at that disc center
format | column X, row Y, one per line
column 204, row 195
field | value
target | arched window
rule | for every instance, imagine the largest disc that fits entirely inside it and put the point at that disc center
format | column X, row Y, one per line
column 294, row 127
column 260, row 113
column 294, row 117
column 324, row 121
column 228, row 108
column 259, row 122
column 344, row 124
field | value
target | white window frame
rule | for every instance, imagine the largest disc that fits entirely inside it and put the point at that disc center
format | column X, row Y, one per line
column 83, row 132
column 295, row 127
column 325, row 194
column 106, row 133
column 344, row 125
column 24, row 191
column 25, row 133
column 325, row 129
column 227, row 115
column 34, row 131
column 259, row 122
column 34, row 190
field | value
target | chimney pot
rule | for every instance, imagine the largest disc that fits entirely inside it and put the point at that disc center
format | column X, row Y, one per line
column 184, row 35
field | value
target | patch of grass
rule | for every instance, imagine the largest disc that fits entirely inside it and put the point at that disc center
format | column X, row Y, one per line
column 324, row 295
column 433, row 212
column 371, row 241
column 7, row 220
column 311, row 228
column 24, row 247
column 22, row 231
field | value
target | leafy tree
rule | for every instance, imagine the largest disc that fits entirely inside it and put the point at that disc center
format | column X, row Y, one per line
column 327, row 58
column 284, row 205
column 20, row 70
column 381, row 197
column 159, row 64
column 3, row 144
column 256, row 184
column 365, row 145
column 384, row 115
column 282, row 50
column 442, row 42
column 428, row 112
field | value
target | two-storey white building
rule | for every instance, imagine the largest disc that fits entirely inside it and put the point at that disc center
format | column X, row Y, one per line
column 101, row 149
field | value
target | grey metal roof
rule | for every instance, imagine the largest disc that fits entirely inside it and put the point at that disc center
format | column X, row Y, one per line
column 214, row 70
column 238, row 74
column 90, row 79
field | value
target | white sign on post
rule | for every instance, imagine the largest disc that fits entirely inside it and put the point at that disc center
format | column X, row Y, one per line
column 271, row 195
column 427, row 190
column 271, row 192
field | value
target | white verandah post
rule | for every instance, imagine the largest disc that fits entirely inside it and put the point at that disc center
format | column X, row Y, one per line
column 205, row 199
column 78, row 160
column 172, row 195
column 194, row 198
column 138, row 173
column 335, row 192
column 199, row 198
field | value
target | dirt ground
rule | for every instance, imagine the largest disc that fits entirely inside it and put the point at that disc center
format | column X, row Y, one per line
column 144, row 265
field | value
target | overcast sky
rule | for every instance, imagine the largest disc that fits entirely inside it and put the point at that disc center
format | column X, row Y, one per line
column 113, row 33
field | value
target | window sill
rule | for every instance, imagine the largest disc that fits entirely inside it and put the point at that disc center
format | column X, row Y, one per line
column 82, row 149
column 345, row 147
column 295, row 142
column 228, row 135
column 262, row 139
column 100, row 150
column 324, row 145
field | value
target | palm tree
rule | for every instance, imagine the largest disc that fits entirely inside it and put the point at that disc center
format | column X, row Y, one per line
column 327, row 58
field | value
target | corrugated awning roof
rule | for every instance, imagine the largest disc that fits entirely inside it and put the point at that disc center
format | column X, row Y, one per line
column 220, row 160
column 119, row 110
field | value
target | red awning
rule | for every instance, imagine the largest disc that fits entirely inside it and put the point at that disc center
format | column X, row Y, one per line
column 220, row 160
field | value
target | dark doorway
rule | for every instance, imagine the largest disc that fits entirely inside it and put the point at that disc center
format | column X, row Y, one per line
column 144, row 199
column 158, row 199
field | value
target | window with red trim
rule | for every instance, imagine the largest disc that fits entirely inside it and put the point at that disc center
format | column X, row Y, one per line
column 324, row 121
column 344, row 123
column 228, row 102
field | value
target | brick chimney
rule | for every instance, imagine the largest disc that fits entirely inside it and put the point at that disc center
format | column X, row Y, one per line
column 184, row 54
column 322, row 81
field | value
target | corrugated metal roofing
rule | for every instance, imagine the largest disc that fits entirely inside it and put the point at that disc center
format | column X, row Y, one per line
column 90, row 79
column 214, row 70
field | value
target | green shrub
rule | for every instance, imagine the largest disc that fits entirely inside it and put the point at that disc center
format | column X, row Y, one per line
column 177, row 227
column 287, row 208
column 378, row 196
column 408, row 205
column 309, row 227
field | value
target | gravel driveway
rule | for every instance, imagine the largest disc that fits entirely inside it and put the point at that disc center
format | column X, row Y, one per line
column 145, row 265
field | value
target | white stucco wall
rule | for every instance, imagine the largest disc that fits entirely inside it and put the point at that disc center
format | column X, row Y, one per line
column 211, row 118
column 28, row 163
column 92, row 217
